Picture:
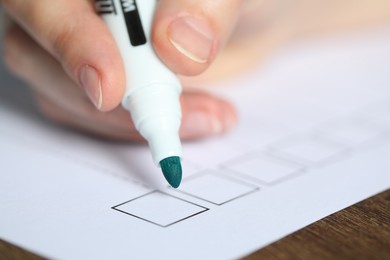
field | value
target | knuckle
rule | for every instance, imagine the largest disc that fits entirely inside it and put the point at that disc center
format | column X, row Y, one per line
column 61, row 36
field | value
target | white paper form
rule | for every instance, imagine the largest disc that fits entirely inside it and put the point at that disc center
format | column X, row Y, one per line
column 314, row 138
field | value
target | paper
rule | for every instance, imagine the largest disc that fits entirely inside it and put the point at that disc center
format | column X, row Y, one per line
column 314, row 138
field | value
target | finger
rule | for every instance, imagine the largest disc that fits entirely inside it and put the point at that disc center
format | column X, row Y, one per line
column 72, row 32
column 205, row 115
column 99, row 126
column 188, row 34
column 60, row 100
column 44, row 74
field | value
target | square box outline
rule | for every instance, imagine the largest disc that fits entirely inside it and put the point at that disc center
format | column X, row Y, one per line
column 207, row 172
column 204, row 209
column 269, row 157
column 276, row 151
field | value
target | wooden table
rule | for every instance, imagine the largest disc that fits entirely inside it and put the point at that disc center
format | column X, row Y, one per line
column 361, row 231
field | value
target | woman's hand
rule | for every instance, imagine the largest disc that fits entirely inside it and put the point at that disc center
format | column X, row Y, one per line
column 66, row 53
column 69, row 58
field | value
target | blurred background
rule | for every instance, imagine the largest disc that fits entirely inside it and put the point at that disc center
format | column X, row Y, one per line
column 267, row 25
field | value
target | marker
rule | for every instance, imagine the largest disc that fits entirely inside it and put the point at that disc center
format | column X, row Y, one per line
column 152, row 90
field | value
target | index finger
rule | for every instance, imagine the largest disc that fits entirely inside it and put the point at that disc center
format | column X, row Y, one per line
column 75, row 35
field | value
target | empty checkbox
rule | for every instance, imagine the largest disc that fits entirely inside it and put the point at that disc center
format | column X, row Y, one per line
column 308, row 150
column 215, row 188
column 160, row 208
column 263, row 168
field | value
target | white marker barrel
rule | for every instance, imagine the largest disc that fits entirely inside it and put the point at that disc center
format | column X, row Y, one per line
column 152, row 90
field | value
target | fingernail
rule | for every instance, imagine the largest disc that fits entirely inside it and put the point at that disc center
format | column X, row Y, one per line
column 90, row 81
column 192, row 37
column 201, row 124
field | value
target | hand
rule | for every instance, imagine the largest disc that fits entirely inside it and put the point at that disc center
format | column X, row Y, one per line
column 58, row 45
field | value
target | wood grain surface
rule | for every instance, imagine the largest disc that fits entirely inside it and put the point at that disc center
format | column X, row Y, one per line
column 361, row 231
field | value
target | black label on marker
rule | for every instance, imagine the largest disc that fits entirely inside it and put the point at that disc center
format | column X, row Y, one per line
column 105, row 7
column 132, row 19
column 133, row 22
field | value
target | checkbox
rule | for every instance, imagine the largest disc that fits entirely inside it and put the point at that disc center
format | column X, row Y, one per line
column 353, row 131
column 160, row 208
column 214, row 188
column 308, row 150
column 263, row 168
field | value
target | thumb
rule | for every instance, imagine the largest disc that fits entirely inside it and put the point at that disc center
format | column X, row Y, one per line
column 188, row 34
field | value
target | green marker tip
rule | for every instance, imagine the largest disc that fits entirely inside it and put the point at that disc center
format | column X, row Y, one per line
column 171, row 168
